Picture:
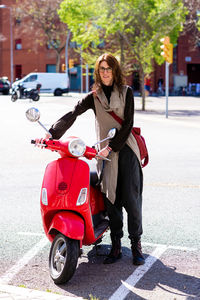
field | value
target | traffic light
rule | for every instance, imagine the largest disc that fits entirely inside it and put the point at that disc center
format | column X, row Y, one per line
column 63, row 67
column 71, row 63
column 167, row 48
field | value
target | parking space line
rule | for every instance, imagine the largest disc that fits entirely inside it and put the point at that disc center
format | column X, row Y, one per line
column 132, row 280
column 8, row 276
column 170, row 246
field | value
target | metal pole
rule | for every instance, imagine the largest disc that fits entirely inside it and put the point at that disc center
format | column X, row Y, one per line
column 166, row 85
column 66, row 52
column 11, row 46
column 81, row 71
column 87, row 79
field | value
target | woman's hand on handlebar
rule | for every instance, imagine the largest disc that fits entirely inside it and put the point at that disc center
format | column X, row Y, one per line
column 104, row 152
column 40, row 142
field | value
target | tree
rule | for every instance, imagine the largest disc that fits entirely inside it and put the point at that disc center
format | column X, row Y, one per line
column 136, row 25
column 43, row 22
column 192, row 23
column 143, row 24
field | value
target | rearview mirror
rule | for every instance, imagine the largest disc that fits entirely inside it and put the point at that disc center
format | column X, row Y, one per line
column 111, row 133
column 33, row 114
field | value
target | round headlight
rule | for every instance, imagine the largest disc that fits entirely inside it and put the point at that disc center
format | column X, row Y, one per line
column 77, row 147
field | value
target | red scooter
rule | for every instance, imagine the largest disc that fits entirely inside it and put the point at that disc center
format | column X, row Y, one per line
column 72, row 206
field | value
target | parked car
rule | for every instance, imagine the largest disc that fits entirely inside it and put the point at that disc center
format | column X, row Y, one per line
column 4, row 85
column 56, row 83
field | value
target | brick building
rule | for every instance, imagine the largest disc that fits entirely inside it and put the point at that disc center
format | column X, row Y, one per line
column 185, row 70
column 25, row 58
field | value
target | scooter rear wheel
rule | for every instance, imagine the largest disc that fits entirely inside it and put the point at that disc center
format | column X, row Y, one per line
column 36, row 98
column 63, row 258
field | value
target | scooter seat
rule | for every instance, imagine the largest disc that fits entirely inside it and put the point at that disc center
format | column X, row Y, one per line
column 93, row 178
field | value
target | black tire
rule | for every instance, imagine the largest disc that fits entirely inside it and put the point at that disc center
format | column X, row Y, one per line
column 63, row 258
column 58, row 92
column 36, row 98
column 14, row 97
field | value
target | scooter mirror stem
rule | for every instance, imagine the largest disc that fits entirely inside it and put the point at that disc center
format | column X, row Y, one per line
column 99, row 142
column 111, row 134
column 45, row 128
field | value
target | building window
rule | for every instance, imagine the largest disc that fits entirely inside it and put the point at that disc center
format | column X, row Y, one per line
column 18, row 71
column 175, row 62
column 51, row 68
column 73, row 45
column 18, row 44
column 17, row 21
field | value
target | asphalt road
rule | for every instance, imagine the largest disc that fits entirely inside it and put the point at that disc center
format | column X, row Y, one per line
column 171, row 206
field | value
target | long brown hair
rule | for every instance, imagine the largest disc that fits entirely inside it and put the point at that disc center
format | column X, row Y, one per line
column 118, row 77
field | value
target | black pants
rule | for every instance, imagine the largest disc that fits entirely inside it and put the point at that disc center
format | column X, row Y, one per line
column 128, row 195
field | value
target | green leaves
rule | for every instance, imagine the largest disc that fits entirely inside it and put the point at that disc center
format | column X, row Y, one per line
column 134, row 26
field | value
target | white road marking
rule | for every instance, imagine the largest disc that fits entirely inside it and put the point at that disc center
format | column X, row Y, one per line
column 8, row 276
column 14, row 292
column 131, row 281
column 170, row 246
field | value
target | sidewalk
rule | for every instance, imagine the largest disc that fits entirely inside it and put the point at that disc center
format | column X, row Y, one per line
column 180, row 109
column 8, row 292
column 176, row 105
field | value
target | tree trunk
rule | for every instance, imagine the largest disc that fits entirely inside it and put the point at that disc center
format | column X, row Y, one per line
column 121, row 41
column 142, row 90
column 58, row 57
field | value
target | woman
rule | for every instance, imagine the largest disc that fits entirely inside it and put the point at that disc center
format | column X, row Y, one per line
column 122, row 177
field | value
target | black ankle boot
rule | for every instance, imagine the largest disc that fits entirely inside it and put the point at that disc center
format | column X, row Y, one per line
column 115, row 253
column 138, row 258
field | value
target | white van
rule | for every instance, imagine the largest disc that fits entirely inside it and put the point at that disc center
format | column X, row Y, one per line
column 56, row 83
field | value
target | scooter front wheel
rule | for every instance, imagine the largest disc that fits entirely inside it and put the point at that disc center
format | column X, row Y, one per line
column 63, row 258
column 14, row 97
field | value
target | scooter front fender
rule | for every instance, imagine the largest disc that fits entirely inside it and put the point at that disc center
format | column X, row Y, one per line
column 69, row 224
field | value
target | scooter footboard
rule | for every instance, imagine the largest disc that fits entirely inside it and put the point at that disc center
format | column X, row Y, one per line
column 69, row 224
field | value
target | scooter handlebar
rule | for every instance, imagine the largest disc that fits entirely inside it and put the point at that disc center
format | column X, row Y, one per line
column 62, row 148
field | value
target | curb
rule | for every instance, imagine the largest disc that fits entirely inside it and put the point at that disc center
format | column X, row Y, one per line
column 12, row 292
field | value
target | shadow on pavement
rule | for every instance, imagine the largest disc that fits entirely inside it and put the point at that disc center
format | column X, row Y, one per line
column 94, row 278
